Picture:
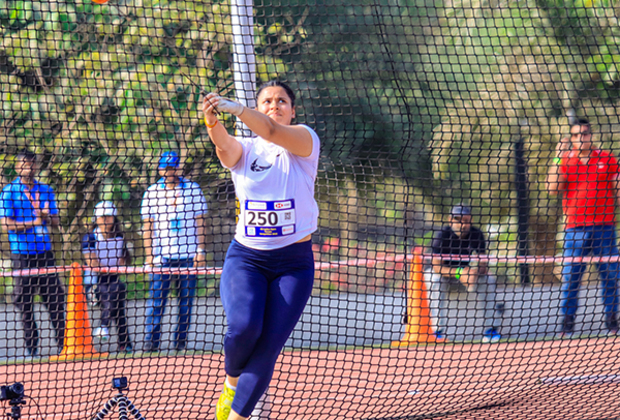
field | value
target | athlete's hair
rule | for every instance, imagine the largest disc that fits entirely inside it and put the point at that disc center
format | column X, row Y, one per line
column 581, row 122
column 25, row 154
column 277, row 83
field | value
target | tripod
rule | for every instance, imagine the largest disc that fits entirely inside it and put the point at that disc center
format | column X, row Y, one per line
column 16, row 410
column 124, row 405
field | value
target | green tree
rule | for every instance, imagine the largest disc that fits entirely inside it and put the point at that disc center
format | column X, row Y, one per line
column 101, row 91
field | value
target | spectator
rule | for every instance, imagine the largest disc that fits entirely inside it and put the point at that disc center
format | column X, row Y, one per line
column 28, row 211
column 105, row 246
column 460, row 237
column 587, row 180
column 173, row 212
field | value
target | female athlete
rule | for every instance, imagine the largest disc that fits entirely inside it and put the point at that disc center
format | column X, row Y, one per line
column 269, row 268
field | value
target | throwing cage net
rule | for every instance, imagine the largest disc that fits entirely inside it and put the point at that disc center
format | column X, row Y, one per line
column 435, row 118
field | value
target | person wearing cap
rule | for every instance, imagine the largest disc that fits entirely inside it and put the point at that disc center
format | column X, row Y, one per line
column 587, row 180
column 105, row 246
column 173, row 213
column 461, row 239
column 28, row 212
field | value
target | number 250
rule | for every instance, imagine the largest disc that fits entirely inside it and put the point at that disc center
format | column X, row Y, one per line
column 261, row 218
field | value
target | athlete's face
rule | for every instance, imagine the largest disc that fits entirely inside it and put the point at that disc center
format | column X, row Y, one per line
column 25, row 168
column 105, row 223
column 170, row 174
column 581, row 137
column 275, row 103
column 460, row 224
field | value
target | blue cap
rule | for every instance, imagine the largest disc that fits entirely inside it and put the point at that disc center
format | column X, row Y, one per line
column 169, row 160
column 461, row 210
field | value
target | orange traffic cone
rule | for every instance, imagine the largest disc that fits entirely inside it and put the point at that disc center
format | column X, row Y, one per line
column 78, row 336
column 419, row 327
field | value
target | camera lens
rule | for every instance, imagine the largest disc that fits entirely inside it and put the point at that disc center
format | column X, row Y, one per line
column 17, row 389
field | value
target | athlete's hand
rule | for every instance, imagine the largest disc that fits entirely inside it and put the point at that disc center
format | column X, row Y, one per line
column 209, row 104
column 200, row 260
column 468, row 278
column 44, row 213
column 208, row 109
column 563, row 145
column 214, row 102
column 232, row 107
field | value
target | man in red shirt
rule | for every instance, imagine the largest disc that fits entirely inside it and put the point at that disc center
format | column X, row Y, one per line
column 587, row 179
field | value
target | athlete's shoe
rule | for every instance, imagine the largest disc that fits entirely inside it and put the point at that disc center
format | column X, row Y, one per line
column 103, row 333
column 611, row 322
column 568, row 326
column 440, row 336
column 491, row 336
column 224, row 403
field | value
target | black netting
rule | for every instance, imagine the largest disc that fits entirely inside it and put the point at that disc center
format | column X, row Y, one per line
column 465, row 257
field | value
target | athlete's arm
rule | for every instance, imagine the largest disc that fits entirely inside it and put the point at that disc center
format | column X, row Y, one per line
column 296, row 139
column 227, row 148
column 445, row 270
column 12, row 225
column 91, row 259
column 556, row 182
column 201, row 258
column 147, row 236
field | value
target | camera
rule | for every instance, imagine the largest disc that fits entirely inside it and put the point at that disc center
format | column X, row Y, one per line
column 11, row 392
column 119, row 383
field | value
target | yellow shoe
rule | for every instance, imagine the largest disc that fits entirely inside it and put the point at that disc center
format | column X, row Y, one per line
column 224, row 403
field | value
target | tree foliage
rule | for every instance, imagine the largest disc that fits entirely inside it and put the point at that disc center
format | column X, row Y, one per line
column 101, row 91
column 433, row 92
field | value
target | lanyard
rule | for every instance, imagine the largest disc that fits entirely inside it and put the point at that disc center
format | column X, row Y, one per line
column 34, row 199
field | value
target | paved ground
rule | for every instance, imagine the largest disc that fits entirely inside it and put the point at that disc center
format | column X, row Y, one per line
column 344, row 320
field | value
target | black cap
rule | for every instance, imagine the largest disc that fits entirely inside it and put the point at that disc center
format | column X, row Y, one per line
column 461, row 210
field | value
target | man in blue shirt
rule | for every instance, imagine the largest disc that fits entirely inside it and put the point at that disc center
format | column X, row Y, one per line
column 27, row 212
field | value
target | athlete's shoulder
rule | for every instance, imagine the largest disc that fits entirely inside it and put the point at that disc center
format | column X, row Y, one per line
column 310, row 129
column 10, row 187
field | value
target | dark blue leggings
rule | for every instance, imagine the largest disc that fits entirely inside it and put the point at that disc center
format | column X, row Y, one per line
column 264, row 294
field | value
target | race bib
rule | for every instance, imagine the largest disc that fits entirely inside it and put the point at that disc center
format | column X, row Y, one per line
column 269, row 218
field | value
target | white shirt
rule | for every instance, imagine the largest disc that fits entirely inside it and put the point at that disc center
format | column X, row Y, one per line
column 173, row 213
column 275, row 189
column 108, row 251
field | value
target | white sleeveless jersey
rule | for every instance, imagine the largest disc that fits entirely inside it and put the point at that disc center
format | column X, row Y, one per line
column 275, row 189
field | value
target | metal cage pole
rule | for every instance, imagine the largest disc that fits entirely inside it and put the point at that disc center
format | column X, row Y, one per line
column 244, row 58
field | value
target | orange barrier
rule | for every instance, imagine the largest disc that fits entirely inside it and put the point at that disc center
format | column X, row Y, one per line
column 419, row 325
column 78, row 336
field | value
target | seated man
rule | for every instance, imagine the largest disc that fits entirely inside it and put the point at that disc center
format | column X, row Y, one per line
column 459, row 237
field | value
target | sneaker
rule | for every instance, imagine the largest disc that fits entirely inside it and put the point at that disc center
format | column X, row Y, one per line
column 491, row 336
column 611, row 322
column 568, row 326
column 150, row 347
column 102, row 333
column 224, row 403
column 127, row 349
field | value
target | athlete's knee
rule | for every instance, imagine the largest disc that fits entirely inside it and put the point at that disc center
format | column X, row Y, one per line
column 246, row 333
